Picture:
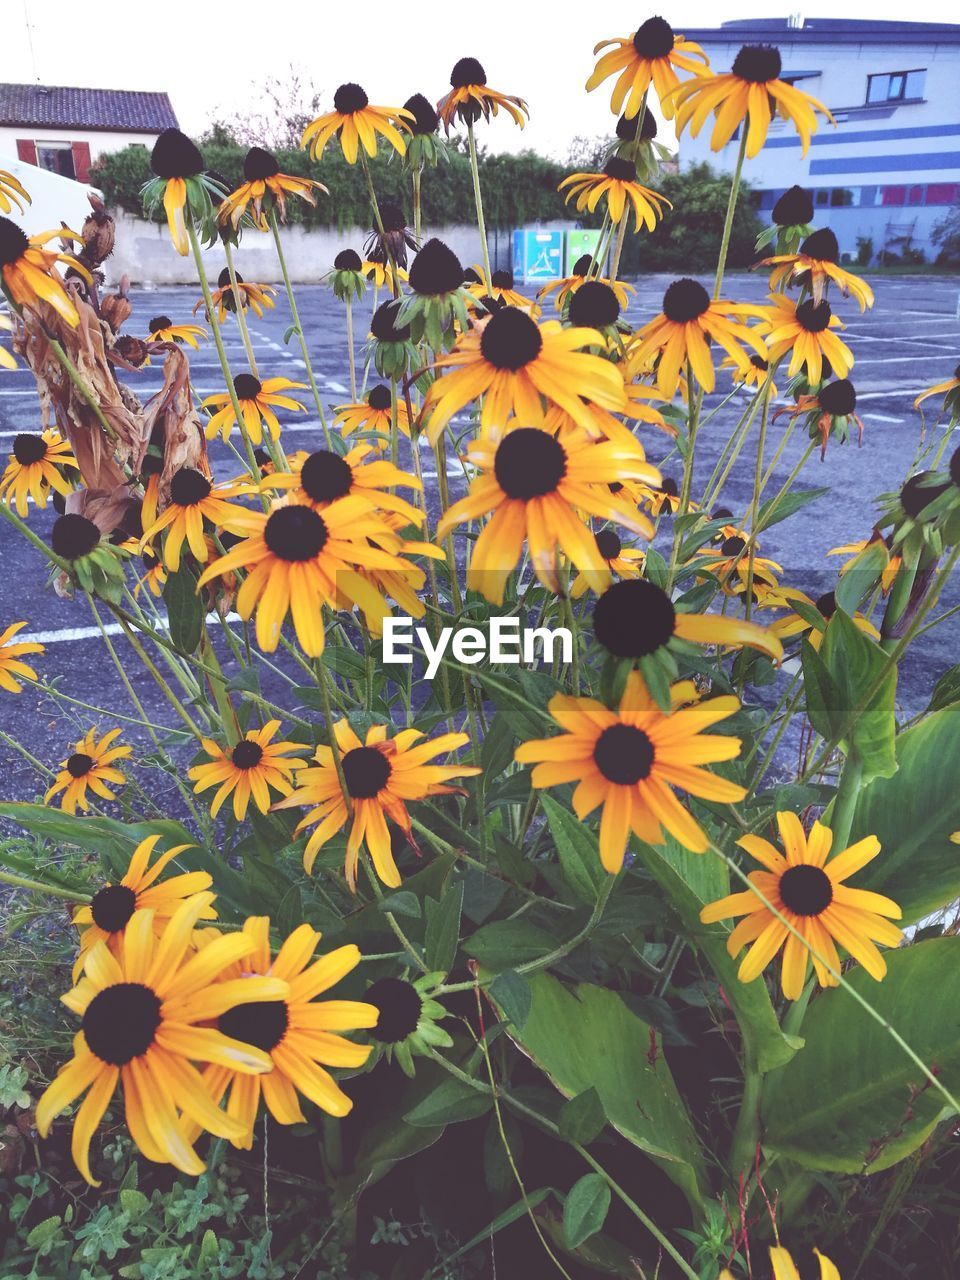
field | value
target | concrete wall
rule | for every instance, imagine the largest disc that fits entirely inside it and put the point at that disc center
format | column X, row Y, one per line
column 144, row 253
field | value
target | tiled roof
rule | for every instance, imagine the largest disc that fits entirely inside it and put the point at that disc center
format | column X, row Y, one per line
column 58, row 107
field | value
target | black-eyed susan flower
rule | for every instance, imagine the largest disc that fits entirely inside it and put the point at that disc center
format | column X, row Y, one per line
column 501, row 290
column 809, row 617
column 682, row 331
column 636, row 141
column 146, row 1018
column 403, row 586
column 816, row 264
column 372, row 414
column 297, row 559
column 182, row 187
column 388, row 246
column 596, row 306
column 807, row 887
column 257, row 297
column 382, row 774
column 252, row 768
column 257, row 403
column 790, row 221
column 616, row 184
column 12, row 651
column 357, row 124
column 651, row 55
column 949, row 389
column 408, row 1018
column 347, row 279
column 263, row 188
column 323, row 477
column 536, row 485
column 162, row 329
column 512, row 362
column 381, row 273
column 470, row 97
column 859, row 551
column 750, row 370
column 391, row 347
column 437, row 308
column 581, row 271
column 90, row 765
column 621, row 561
column 111, row 909
column 193, row 499
column 12, row 192
column 629, row 759
column 829, row 412
column 661, row 499
column 424, row 147
column 36, row 467
column 300, row 1035
column 731, row 565
column 805, row 329
column 94, row 563
column 635, row 619
column 153, row 577
column 28, row 269
column 747, row 96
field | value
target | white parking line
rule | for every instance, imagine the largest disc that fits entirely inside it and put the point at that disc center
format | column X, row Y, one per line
column 66, row 635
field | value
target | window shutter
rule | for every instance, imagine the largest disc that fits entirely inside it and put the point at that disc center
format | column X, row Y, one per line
column 27, row 151
column 81, row 160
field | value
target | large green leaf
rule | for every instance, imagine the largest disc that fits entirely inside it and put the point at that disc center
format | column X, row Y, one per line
column 913, row 815
column 851, row 1100
column 587, row 1038
column 577, row 850
column 690, row 880
column 855, row 663
column 184, row 609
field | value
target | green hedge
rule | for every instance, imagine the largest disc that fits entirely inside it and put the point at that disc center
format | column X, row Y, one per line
column 517, row 190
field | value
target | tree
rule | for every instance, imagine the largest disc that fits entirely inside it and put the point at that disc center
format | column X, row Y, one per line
column 947, row 235
column 286, row 105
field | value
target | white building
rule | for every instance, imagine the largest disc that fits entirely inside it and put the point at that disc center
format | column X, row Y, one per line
column 64, row 130
column 890, row 170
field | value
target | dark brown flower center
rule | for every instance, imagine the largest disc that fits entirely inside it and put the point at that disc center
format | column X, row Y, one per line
column 838, row 398
column 247, row 386
column 436, row 269
column 259, row 163
column 918, row 493
column 28, row 449
column 348, row 260
column 467, row 71
column 608, row 544
column 79, row 764
column 633, row 618
column 822, row 246
column 758, row 362
column 732, row 546
column 827, row 604
column 366, row 771
column 654, row 39
column 379, row 397
column 224, row 281
column 623, row 754
column 426, row 119
column 620, row 169
column 399, row 1004
column 262, row 1023
column 685, row 300
column 383, row 325
column 158, row 323
column 794, row 208
column 510, row 339
column 325, row 476
column 529, row 463
column 175, row 156
column 806, row 890
column 595, row 305
column 121, row 1021
column 188, row 487
column 502, row 279
column 295, row 533
column 247, row 754
column 73, row 536
column 349, row 98
column 13, row 243
column 627, row 129
column 112, row 907
column 814, row 317
column 757, row 63
column 582, row 265
column 669, row 486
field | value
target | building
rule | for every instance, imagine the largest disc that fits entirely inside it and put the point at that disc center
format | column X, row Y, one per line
column 64, row 130
column 890, row 170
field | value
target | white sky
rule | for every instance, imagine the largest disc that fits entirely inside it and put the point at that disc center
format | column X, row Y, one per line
column 209, row 57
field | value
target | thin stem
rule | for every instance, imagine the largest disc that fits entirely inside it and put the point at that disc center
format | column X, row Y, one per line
column 351, row 353
column 618, row 246
column 755, row 499
column 478, row 202
column 148, row 662
column 375, row 206
column 731, row 209
column 239, row 310
column 392, row 921
column 22, row 882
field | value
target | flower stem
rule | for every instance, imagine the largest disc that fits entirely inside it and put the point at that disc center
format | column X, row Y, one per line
column 239, row 311
column 618, row 247
column 351, row 354
column 375, row 206
column 478, row 202
column 22, row 882
column 731, row 209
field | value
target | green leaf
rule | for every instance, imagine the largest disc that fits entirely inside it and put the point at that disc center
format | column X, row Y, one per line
column 855, row 662
column 852, row 1101
column 506, row 943
column 184, row 609
column 450, row 1102
column 443, row 927
column 946, row 690
column 577, row 850
column 511, row 1215
column 585, row 1209
column 582, row 1118
column 861, row 576
column 586, row 1037
column 913, row 814
column 43, row 1232
column 820, row 692
column 401, row 903
column 512, row 993
column 788, row 505
column 134, row 1202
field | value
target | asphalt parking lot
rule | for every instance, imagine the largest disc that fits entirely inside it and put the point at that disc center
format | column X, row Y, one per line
column 910, row 340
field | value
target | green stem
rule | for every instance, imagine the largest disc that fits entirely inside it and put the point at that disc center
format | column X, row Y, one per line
column 351, row 353
column 845, row 801
column 731, row 209
column 21, row 526
column 755, row 499
column 375, row 206
column 22, row 882
column 478, row 202
column 618, row 246
column 239, row 311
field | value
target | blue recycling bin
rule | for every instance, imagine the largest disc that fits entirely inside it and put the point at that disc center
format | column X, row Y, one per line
column 537, row 255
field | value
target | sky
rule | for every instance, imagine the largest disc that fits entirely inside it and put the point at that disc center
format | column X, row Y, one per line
column 210, row 58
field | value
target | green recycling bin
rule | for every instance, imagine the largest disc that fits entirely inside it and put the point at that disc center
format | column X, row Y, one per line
column 579, row 242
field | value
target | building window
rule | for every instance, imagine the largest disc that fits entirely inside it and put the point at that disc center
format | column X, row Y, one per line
column 57, row 157
column 943, row 193
column 843, row 197
column 894, row 195
column 896, row 86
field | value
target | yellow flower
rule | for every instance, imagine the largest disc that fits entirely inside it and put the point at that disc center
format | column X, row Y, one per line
column 251, row 768
column 257, row 297
column 323, row 477
column 625, row 562
column 257, row 401
column 372, row 414
column 162, row 329
column 618, row 184
column 804, row 329
column 35, row 467
column 89, row 767
column 798, row 624
column 816, row 263
column 194, row 498
column 264, row 184
column 29, row 271
column 11, row 652
column 651, row 55
column 470, row 97
column 357, row 123
column 808, row 890
column 12, row 193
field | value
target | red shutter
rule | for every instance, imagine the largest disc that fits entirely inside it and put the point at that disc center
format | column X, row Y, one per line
column 27, row 151
column 81, row 160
